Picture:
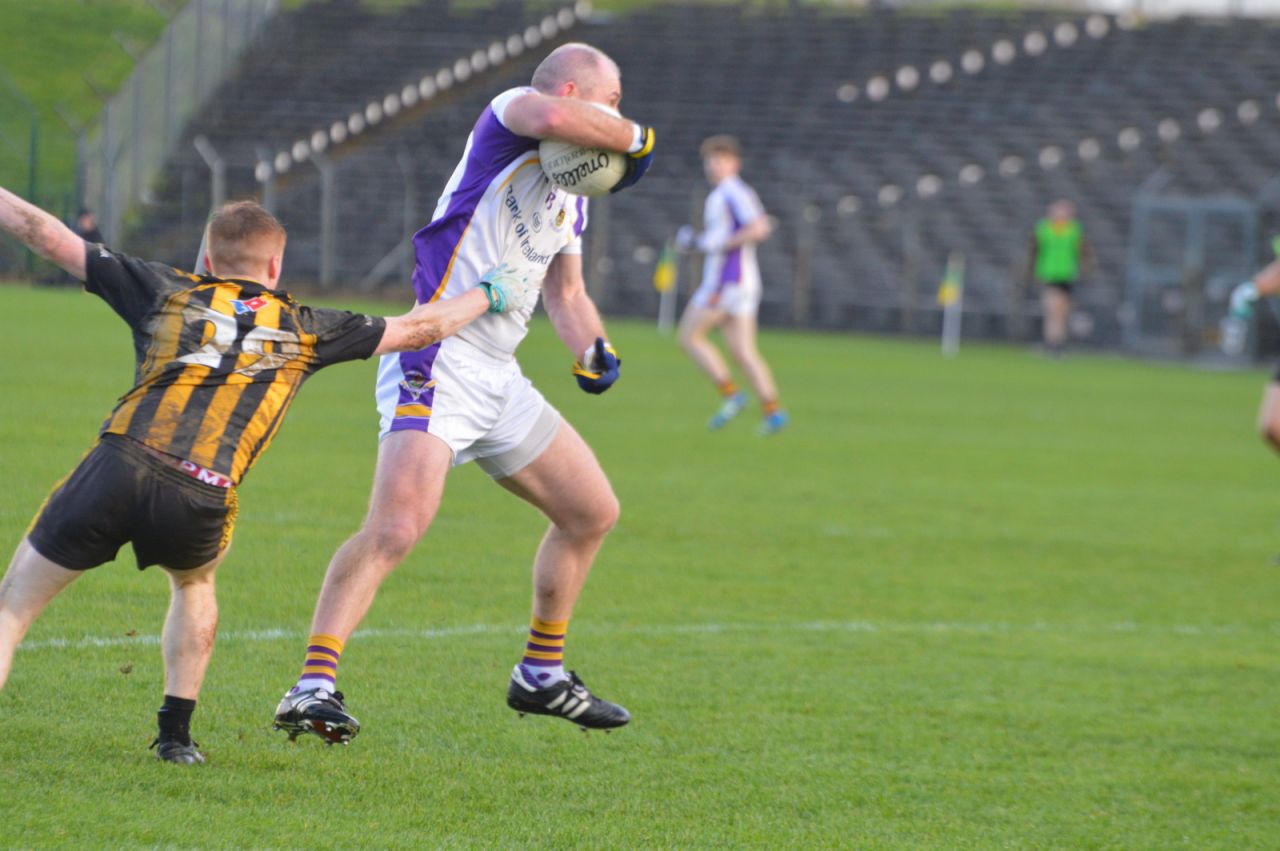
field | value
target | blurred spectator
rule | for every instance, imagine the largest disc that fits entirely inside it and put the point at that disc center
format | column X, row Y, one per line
column 1059, row 255
column 86, row 226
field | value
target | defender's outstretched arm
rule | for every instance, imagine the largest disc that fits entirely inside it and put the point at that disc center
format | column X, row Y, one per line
column 428, row 324
column 501, row 290
column 42, row 233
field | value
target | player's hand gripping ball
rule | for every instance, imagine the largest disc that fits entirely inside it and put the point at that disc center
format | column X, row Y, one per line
column 638, row 162
column 595, row 171
column 598, row 369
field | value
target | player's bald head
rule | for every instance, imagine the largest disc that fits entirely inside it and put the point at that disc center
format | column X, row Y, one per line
column 587, row 69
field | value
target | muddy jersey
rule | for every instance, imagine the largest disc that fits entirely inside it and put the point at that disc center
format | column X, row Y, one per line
column 218, row 361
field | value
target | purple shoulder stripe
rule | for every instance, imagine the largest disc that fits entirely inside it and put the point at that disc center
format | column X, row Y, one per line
column 492, row 148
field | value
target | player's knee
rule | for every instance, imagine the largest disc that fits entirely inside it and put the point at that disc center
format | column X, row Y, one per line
column 742, row 352
column 1270, row 433
column 391, row 540
column 689, row 337
column 599, row 520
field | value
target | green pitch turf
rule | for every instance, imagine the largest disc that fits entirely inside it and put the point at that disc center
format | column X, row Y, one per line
column 999, row 602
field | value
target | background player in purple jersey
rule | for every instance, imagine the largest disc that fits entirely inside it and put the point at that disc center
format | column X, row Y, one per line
column 728, row 298
column 466, row 399
column 220, row 359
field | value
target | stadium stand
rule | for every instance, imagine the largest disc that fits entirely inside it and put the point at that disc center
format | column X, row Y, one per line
column 882, row 141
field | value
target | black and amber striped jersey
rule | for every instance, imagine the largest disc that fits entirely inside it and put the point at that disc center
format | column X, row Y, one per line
column 218, row 361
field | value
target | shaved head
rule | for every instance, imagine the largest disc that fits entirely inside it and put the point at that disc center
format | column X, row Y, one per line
column 577, row 68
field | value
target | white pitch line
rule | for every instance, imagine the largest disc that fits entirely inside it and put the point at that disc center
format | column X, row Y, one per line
column 908, row 628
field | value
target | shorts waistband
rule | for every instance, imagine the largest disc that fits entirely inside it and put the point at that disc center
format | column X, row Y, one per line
column 190, row 469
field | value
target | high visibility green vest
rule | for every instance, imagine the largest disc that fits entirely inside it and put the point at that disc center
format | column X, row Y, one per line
column 1058, row 251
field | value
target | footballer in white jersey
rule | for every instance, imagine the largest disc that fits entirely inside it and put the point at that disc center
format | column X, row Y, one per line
column 499, row 207
column 728, row 298
column 730, row 275
column 498, row 219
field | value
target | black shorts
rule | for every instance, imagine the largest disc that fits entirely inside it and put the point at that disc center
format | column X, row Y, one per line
column 120, row 493
column 1065, row 287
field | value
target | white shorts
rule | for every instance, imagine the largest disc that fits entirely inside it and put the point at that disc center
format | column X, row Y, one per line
column 482, row 407
column 734, row 299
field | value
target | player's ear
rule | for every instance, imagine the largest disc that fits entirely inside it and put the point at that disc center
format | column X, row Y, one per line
column 208, row 264
column 274, row 266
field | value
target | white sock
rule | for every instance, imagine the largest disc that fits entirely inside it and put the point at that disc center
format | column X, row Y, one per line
column 307, row 683
column 540, row 676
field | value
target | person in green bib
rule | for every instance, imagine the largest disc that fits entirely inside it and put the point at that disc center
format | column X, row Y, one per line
column 1264, row 284
column 1059, row 253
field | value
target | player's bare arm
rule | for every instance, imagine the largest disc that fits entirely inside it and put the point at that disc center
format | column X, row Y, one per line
column 42, row 233
column 502, row 289
column 540, row 116
column 572, row 312
column 428, row 324
column 756, row 230
column 1267, row 281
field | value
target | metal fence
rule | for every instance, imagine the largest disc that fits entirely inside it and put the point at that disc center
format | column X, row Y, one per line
column 124, row 151
column 1185, row 255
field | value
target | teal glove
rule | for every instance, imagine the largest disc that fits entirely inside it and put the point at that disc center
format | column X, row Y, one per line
column 508, row 290
column 1242, row 300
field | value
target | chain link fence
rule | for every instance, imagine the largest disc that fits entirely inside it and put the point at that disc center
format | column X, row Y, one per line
column 139, row 125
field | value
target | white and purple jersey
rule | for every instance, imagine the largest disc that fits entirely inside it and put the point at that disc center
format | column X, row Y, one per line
column 731, row 206
column 498, row 207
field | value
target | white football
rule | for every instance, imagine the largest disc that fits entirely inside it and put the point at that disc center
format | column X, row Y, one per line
column 582, row 171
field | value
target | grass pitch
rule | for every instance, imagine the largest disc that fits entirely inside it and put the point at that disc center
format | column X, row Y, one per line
column 998, row 602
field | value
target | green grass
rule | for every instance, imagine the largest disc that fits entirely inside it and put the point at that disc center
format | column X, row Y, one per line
column 47, row 49
column 998, row 602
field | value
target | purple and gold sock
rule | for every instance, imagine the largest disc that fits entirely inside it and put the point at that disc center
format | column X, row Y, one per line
column 320, row 670
column 543, row 661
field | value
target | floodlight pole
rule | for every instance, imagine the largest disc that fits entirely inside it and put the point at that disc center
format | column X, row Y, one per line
column 328, row 216
column 217, row 167
column 106, row 213
column 912, row 254
column 266, row 174
column 802, row 276
column 405, row 161
column 598, row 280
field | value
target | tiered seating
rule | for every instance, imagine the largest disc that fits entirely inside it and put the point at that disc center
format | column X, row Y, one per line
column 317, row 64
column 775, row 79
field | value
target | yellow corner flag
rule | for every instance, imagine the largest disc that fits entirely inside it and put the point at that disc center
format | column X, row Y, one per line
column 664, row 274
column 952, row 286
